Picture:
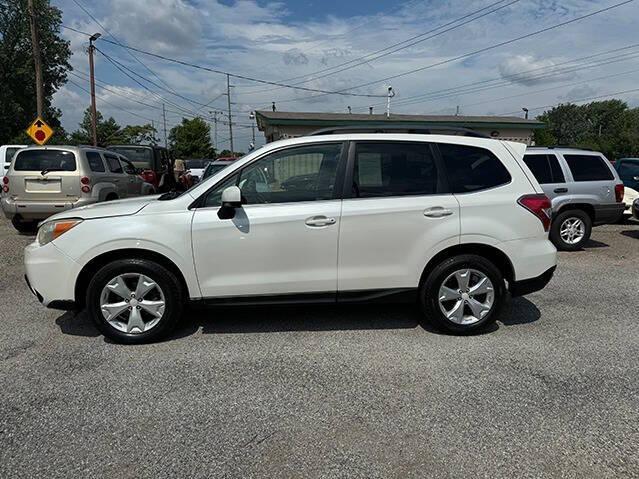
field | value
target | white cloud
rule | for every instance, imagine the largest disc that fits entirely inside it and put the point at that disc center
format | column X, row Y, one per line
column 527, row 70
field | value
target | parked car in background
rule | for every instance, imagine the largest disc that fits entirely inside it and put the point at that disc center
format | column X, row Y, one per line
column 449, row 222
column 584, row 188
column 196, row 168
column 44, row 180
column 215, row 166
column 155, row 163
column 6, row 154
column 628, row 170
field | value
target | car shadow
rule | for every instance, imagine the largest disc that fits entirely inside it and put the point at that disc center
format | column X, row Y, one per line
column 284, row 318
column 631, row 233
column 591, row 243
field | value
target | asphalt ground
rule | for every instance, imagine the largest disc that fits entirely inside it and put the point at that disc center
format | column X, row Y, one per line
column 360, row 391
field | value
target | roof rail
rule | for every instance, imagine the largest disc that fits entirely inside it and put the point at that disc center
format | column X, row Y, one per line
column 562, row 147
column 382, row 128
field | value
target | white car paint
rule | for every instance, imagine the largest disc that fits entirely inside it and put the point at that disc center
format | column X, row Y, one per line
column 270, row 248
column 629, row 196
column 7, row 153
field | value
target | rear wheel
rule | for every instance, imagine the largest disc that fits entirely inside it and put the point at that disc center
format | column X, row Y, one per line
column 134, row 301
column 463, row 293
column 570, row 230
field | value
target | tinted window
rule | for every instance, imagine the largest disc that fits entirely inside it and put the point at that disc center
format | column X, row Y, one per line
column 40, row 160
column 128, row 167
column 588, row 168
column 629, row 169
column 95, row 161
column 141, row 157
column 213, row 169
column 114, row 163
column 545, row 168
column 9, row 154
column 394, row 169
column 296, row 174
column 471, row 169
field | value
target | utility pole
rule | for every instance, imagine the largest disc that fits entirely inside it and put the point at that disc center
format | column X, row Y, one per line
column 252, row 117
column 215, row 113
column 153, row 132
column 391, row 94
column 94, row 110
column 228, row 98
column 35, row 46
column 164, row 120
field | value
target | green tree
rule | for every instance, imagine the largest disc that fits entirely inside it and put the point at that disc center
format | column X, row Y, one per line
column 110, row 133
column 17, row 73
column 191, row 139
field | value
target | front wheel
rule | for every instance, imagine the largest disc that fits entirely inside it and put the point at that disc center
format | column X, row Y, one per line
column 463, row 293
column 25, row 227
column 134, row 301
column 570, row 230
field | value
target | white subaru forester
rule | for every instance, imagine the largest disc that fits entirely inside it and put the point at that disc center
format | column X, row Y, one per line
column 453, row 222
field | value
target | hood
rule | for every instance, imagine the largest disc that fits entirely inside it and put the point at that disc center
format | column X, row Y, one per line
column 629, row 195
column 106, row 209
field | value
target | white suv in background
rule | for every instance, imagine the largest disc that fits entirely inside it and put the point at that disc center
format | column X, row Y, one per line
column 453, row 222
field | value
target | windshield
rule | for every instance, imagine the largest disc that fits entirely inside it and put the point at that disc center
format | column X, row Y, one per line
column 44, row 160
column 196, row 163
column 213, row 169
column 141, row 157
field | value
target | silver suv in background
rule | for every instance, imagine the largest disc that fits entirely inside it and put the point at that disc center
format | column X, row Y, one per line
column 44, row 180
column 584, row 188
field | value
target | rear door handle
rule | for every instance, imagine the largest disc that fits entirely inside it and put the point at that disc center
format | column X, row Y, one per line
column 437, row 212
column 561, row 190
column 320, row 221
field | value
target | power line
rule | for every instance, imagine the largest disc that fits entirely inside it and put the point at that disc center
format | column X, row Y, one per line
column 234, row 75
column 406, row 44
column 575, row 101
column 472, row 53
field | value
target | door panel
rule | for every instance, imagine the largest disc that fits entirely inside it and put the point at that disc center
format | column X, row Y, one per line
column 267, row 249
column 386, row 242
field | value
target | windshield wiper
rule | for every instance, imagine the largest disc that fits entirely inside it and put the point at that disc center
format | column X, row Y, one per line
column 48, row 170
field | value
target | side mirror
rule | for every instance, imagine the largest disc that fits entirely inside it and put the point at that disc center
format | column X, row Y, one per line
column 231, row 200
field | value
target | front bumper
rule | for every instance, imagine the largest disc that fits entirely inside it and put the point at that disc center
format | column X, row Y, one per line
column 527, row 286
column 50, row 275
column 39, row 210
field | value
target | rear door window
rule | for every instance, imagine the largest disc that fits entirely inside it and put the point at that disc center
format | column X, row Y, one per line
column 95, row 161
column 395, row 169
column 41, row 160
column 629, row 169
column 545, row 168
column 114, row 163
column 588, row 168
column 470, row 168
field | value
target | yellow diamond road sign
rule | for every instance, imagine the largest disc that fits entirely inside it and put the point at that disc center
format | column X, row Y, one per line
column 39, row 131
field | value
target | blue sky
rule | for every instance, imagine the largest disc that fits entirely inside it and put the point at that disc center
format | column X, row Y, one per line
column 292, row 41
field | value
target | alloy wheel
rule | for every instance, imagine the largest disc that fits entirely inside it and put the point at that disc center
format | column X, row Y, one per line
column 132, row 303
column 466, row 296
column 572, row 230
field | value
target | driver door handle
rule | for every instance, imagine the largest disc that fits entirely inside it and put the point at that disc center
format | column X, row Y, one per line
column 561, row 190
column 320, row 221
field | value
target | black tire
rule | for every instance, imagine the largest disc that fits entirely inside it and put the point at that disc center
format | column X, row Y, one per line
column 555, row 235
column 430, row 287
column 166, row 281
column 111, row 197
column 25, row 227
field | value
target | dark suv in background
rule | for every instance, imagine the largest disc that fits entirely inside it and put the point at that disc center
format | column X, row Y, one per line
column 155, row 163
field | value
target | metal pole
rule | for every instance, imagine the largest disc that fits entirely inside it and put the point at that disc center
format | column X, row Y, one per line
column 35, row 46
column 391, row 94
column 215, row 128
column 228, row 98
column 94, row 110
column 164, row 120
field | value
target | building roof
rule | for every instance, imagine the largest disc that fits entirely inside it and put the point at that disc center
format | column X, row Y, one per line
column 266, row 118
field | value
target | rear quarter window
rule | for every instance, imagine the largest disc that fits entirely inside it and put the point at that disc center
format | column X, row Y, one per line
column 545, row 168
column 470, row 168
column 40, row 160
column 588, row 168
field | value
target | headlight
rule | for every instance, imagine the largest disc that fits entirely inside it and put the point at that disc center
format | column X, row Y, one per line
column 52, row 229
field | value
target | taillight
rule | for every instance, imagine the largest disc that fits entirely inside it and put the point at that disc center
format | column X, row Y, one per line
column 540, row 206
column 85, row 181
column 619, row 190
column 5, row 184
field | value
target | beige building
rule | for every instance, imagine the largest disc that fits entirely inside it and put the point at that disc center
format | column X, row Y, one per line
column 277, row 125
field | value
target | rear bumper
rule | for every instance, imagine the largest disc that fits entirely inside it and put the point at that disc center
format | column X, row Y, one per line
column 39, row 210
column 527, row 286
column 610, row 213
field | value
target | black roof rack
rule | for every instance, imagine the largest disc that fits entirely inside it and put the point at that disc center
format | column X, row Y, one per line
column 381, row 128
column 563, row 147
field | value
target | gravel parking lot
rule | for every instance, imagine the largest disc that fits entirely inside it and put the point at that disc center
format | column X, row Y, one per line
column 552, row 390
